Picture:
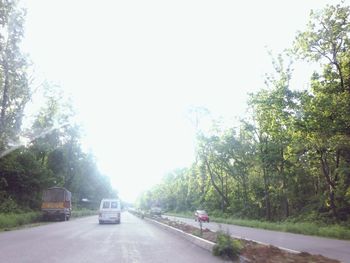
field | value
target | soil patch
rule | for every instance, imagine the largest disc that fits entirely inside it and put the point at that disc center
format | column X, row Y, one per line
column 254, row 252
column 270, row 254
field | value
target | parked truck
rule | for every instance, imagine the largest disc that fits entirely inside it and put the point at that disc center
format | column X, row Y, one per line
column 57, row 203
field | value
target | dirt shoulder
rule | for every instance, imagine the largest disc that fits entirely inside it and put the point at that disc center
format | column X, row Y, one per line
column 253, row 251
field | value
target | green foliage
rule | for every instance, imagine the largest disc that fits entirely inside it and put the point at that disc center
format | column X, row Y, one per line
column 83, row 212
column 14, row 88
column 8, row 205
column 227, row 247
column 11, row 220
column 50, row 152
column 197, row 233
column 306, row 225
column 291, row 157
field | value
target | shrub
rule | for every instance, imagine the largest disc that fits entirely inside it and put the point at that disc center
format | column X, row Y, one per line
column 83, row 212
column 8, row 205
column 13, row 220
column 227, row 247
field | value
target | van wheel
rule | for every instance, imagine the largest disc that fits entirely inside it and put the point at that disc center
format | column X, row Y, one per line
column 100, row 222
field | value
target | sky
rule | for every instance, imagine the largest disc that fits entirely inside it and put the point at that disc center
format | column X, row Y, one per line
column 133, row 69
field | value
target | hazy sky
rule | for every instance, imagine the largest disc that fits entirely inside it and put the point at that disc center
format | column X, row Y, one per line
column 133, row 68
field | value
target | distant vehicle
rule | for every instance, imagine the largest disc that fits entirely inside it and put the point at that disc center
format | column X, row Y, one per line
column 156, row 210
column 57, row 203
column 201, row 215
column 109, row 211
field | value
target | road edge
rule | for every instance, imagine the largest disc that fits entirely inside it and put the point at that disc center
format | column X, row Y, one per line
column 205, row 244
column 200, row 242
column 253, row 240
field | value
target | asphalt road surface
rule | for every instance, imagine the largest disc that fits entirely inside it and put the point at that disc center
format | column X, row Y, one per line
column 332, row 248
column 84, row 240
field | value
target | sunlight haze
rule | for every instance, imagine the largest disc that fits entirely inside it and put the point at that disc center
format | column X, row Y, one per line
column 135, row 68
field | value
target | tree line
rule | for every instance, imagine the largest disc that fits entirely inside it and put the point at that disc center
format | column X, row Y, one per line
column 49, row 152
column 291, row 156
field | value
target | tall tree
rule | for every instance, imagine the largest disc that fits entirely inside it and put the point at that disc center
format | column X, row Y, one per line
column 14, row 88
column 326, row 117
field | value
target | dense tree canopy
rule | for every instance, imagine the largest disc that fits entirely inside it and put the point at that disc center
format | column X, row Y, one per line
column 291, row 157
column 52, row 154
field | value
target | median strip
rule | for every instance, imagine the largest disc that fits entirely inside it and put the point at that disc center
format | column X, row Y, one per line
column 205, row 244
column 251, row 251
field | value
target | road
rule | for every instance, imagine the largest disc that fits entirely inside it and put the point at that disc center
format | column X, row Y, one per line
column 332, row 248
column 84, row 240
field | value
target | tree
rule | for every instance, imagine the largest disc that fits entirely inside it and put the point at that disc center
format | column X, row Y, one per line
column 14, row 88
column 327, row 40
column 273, row 111
column 326, row 111
column 291, row 157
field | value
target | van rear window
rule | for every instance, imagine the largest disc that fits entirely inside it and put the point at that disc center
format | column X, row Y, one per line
column 105, row 204
column 114, row 204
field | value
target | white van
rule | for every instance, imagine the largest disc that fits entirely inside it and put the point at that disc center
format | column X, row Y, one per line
column 109, row 211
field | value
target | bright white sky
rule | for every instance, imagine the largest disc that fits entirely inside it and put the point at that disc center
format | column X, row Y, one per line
column 133, row 68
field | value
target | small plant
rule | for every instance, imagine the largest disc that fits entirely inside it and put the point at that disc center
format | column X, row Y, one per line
column 197, row 233
column 227, row 247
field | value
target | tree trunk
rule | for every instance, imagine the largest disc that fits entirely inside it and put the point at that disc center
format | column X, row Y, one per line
column 282, row 174
column 4, row 101
column 265, row 176
column 267, row 196
column 245, row 194
column 331, row 185
column 222, row 195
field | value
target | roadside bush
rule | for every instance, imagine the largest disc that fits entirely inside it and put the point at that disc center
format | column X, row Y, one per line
column 83, row 212
column 227, row 247
column 7, row 205
column 14, row 220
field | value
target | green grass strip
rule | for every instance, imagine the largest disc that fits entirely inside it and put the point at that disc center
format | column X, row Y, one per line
column 83, row 212
column 12, row 220
column 305, row 228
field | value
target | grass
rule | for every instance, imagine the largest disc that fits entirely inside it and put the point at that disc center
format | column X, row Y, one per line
column 12, row 220
column 9, row 221
column 181, row 214
column 83, row 212
column 305, row 228
column 227, row 247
